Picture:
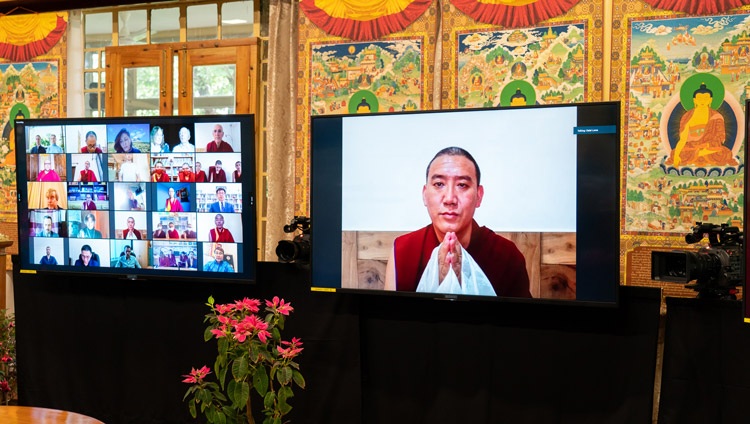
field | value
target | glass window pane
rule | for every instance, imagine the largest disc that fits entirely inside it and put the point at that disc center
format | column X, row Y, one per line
column 132, row 28
column 98, row 30
column 91, row 60
column 165, row 25
column 202, row 22
column 213, row 89
column 141, row 91
column 237, row 19
column 93, row 95
column 91, row 80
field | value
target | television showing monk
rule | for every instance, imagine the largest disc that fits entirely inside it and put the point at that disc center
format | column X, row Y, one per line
column 519, row 203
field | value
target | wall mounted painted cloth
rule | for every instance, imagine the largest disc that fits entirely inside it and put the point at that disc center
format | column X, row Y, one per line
column 23, row 37
column 513, row 13
column 697, row 7
column 363, row 19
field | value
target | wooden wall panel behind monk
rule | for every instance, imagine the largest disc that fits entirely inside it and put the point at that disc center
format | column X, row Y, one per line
column 550, row 261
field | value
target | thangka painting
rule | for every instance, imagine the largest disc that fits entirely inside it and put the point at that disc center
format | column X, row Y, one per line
column 688, row 79
column 367, row 77
column 27, row 90
column 544, row 65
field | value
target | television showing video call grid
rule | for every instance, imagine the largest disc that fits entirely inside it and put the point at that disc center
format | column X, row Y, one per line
column 169, row 196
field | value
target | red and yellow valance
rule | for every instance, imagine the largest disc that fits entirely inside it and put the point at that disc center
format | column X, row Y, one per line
column 23, row 37
column 513, row 13
column 697, row 7
column 363, row 19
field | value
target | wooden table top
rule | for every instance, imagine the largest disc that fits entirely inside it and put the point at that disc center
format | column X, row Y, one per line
column 33, row 415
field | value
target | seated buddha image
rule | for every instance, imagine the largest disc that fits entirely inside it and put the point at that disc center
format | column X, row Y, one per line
column 363, row 106
column 518, row 70
column 702, row 135
column 704, row 63
column 518, row 98
column 476, row 82
column 20, row 93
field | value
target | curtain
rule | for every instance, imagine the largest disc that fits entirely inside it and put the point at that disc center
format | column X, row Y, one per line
column 281, row 118
column 697, row 7
column 363, row 19
column 23, row 37
column 514, row 13
column 38, row 194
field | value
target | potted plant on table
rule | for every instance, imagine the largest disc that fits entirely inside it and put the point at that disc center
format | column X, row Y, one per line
column 252, row 357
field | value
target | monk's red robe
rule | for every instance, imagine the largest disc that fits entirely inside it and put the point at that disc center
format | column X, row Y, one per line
column 499, row 258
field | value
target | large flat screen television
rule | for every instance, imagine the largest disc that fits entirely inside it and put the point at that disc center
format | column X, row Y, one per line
column 138, row 197
column 507, row 203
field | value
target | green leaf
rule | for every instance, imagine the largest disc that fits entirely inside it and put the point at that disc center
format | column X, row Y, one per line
column 193, row 412
column 284, row 376
column 207, row 334
column 238, row 393
column 219, row 396
column 285, row 408
column 267, row 356
column 220, row 417
column 254, row 350
column 210, row 301
column 211, row 415
column 268, row 400
column 285, row 392
column 221, row 374
column 260, row 380
column 239, row 368
column 223, row 345
column 228, row 411
column 298, row 378
column 276, row 333
column 204, row 396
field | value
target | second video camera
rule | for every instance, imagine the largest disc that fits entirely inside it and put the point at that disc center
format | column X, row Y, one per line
column 298, row 249
column 717, row 269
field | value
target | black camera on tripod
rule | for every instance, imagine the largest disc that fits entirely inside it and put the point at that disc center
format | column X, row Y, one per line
column 298, row 249
column 717, row 268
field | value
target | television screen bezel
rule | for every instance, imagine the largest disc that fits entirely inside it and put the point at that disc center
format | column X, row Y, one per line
column 249, row 244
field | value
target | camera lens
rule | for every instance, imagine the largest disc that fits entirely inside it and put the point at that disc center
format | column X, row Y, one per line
column 286, row 251
column 297, row 250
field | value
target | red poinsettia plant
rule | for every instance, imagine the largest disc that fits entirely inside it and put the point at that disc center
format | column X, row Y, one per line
column 8, row 376
column 250, row 346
